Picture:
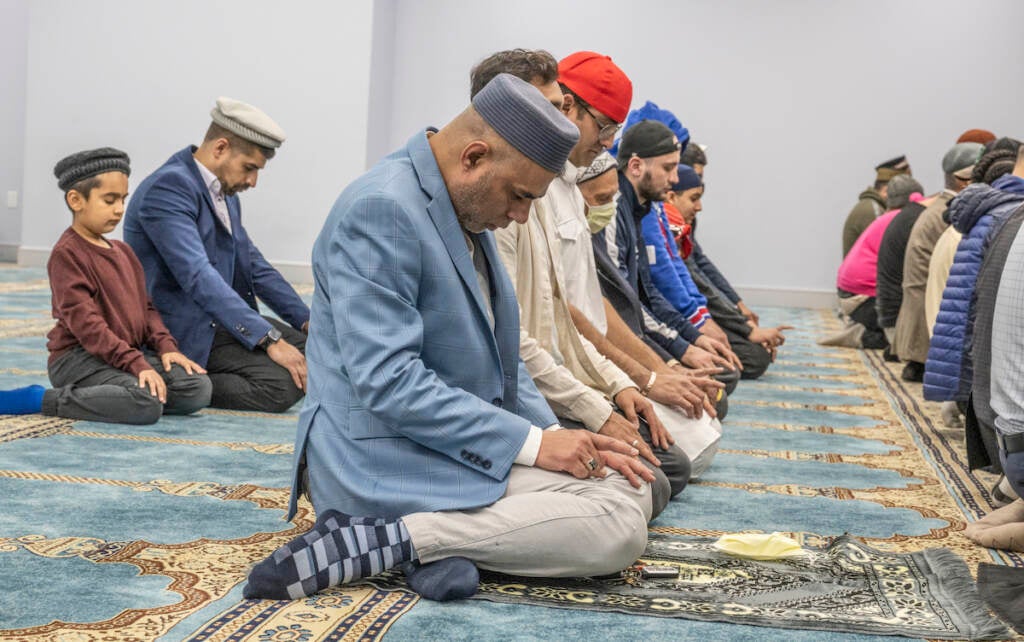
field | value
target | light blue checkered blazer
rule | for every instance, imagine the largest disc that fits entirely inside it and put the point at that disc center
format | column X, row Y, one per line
column 414, row 403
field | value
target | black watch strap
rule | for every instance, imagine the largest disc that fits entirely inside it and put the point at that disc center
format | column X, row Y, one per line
column 272, row 336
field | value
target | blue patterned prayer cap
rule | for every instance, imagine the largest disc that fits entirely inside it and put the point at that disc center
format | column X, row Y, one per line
column 524, row 117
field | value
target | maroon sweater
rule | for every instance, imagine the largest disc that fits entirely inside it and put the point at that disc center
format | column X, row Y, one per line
column 100, row 303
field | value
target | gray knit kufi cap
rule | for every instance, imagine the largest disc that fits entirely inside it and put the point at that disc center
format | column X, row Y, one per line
column 91, row 162
column 247, row 122
column 601, row 164
column 523, row 117
column 901, row 187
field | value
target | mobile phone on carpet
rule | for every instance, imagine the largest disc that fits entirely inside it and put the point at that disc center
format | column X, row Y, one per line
column 655, row 571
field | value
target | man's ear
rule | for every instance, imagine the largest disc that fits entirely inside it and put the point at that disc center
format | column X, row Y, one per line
column 221, row 147
column 635, row 166
column 568, row 102
column 473, row 155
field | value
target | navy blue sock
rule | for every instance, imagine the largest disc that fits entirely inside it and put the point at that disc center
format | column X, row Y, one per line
column 339, row 549
column 451, row 578
column 22, row 401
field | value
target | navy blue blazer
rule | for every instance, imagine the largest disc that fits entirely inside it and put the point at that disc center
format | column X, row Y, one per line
column 199, row 274
column 414, row 403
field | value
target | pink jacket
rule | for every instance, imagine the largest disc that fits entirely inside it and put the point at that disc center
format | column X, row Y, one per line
column 859, row 271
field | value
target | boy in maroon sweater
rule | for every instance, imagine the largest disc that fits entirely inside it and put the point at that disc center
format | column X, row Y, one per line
column 111, row 357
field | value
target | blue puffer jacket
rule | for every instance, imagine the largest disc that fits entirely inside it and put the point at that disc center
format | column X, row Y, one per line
column 976, row 212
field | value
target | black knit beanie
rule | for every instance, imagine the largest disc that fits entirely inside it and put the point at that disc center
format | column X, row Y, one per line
column 92, row 162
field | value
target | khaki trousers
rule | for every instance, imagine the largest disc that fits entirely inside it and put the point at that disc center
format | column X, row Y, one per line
column 545, row 525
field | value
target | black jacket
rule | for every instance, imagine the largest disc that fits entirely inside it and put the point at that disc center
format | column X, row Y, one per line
column 891, row 252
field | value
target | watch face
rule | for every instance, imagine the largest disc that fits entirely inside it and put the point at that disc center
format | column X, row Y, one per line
column 274, row 335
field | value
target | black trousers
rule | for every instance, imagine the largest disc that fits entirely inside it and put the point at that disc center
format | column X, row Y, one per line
column 753, row 356
column 982, row 445
column 669, row 479
column 86, row 387
column 246, row 379
column 866, row 314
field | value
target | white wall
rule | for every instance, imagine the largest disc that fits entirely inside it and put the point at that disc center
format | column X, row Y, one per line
column 143, row 76
column 798, row 99
column 13, row 54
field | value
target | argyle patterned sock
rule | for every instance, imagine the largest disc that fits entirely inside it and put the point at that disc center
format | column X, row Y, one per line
column 338, row 549
column 22, row 401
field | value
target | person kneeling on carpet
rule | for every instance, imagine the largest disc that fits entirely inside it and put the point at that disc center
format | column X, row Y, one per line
column 999, row 370
column 421, row 440
column 856, row 281
column 111, row 357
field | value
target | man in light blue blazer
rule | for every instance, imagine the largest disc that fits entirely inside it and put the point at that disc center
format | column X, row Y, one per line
column 421, row 435
column 204, row 273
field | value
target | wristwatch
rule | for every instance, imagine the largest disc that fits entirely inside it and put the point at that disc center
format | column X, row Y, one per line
column 272, row 336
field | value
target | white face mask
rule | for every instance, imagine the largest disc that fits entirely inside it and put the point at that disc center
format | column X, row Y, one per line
column 599, row 216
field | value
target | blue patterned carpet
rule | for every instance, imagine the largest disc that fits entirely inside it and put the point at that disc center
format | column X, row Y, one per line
column 115, row 532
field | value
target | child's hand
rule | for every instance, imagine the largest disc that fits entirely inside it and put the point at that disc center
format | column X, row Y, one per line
column 171, row 358
column 151, row 379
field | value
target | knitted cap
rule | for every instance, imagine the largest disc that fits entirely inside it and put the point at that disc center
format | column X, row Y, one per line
column 982, row 136
column 601, row 164
column 960, row 159
column 651, row 111
column 523, row 117
column 901, row 188
column 1011, row 144
column 597, row 80
column 247, row 122
column 92, row 162
column 688, row 179
column 646, row 139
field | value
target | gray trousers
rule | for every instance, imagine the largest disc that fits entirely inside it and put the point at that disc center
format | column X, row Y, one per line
column 245, row 379
column 545, row 525
column 86, row 387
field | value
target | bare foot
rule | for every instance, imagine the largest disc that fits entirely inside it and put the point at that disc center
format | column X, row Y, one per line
column 1003, row 528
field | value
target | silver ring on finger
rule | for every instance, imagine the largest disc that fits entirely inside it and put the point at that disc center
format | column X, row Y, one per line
column 635, row 442
column 592, row 464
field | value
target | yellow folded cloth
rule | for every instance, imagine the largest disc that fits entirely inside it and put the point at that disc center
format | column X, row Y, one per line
column 759, row 546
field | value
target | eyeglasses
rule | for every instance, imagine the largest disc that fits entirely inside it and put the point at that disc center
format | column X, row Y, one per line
column 606, row 131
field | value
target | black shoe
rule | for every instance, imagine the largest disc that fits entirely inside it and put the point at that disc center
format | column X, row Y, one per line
column 889, row 356
column 913, row 371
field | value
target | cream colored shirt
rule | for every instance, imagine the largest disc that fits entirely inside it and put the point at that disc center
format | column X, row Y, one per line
column 938, row 273
column 216, row 194
column 567, row 209
column 578, row 383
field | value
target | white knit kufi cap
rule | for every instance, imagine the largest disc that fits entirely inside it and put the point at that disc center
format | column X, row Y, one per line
column 247, row 122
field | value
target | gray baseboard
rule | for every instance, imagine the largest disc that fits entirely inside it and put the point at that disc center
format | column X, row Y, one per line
column 787, row 297
column 302, row 274
column 8, row 253
column 33, row 256
column 293, row 271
